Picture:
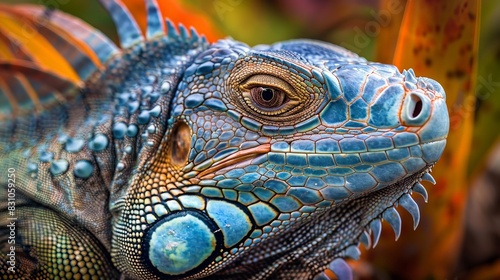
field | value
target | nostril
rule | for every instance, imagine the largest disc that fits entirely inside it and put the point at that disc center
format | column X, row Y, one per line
column 416, row 109
column 417, row 106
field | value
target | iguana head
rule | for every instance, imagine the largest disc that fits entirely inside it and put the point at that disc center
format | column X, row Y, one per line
column 279, row 158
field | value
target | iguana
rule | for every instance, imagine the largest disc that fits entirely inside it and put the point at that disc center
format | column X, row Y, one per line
column 174, row 158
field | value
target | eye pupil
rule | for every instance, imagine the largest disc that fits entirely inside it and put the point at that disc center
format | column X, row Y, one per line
column 267, row 94
column 267, row 98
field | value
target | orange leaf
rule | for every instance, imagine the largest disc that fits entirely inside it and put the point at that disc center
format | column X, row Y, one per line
column 23, row 32
column 439, row 39
column 178, row 12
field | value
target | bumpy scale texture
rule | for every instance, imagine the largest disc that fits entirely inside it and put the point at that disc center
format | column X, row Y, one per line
column 179, row 159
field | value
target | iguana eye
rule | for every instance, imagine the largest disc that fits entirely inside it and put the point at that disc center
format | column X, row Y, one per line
column 268, row 95
column 267, row 98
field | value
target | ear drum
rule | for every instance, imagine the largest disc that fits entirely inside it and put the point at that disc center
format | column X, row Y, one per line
column 179, row 143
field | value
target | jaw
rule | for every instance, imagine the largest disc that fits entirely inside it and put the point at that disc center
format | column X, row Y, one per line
column 311, row 244
column 381, row 205
column 309, row 247
column 367, row 213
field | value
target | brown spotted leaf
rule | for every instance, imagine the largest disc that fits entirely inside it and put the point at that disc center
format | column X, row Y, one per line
column 438, row 39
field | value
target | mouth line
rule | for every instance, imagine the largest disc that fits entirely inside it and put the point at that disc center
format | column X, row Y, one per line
column 251, row 153
column 235, row 158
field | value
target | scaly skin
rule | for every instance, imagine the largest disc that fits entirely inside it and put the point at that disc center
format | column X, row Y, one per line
column 183, row 160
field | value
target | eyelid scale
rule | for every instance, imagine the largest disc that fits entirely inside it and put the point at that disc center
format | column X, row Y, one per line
column 268, row 81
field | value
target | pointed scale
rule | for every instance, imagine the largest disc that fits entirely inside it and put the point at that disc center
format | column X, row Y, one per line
column 156, row 26
column 353, row 252
column 420, row 189
column 407, row 202
column 184, row 32
column 428, row 177
column 128, row 30
column 321, row 276
column 171, row 30
column 365, row 239
column 341, row 268
column 391, row 215
column 194, row 34
column 376, row 227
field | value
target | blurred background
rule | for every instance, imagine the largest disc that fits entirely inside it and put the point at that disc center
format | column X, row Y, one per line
column 455, row 42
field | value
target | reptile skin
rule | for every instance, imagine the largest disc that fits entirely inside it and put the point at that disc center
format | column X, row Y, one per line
column 180, row 159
